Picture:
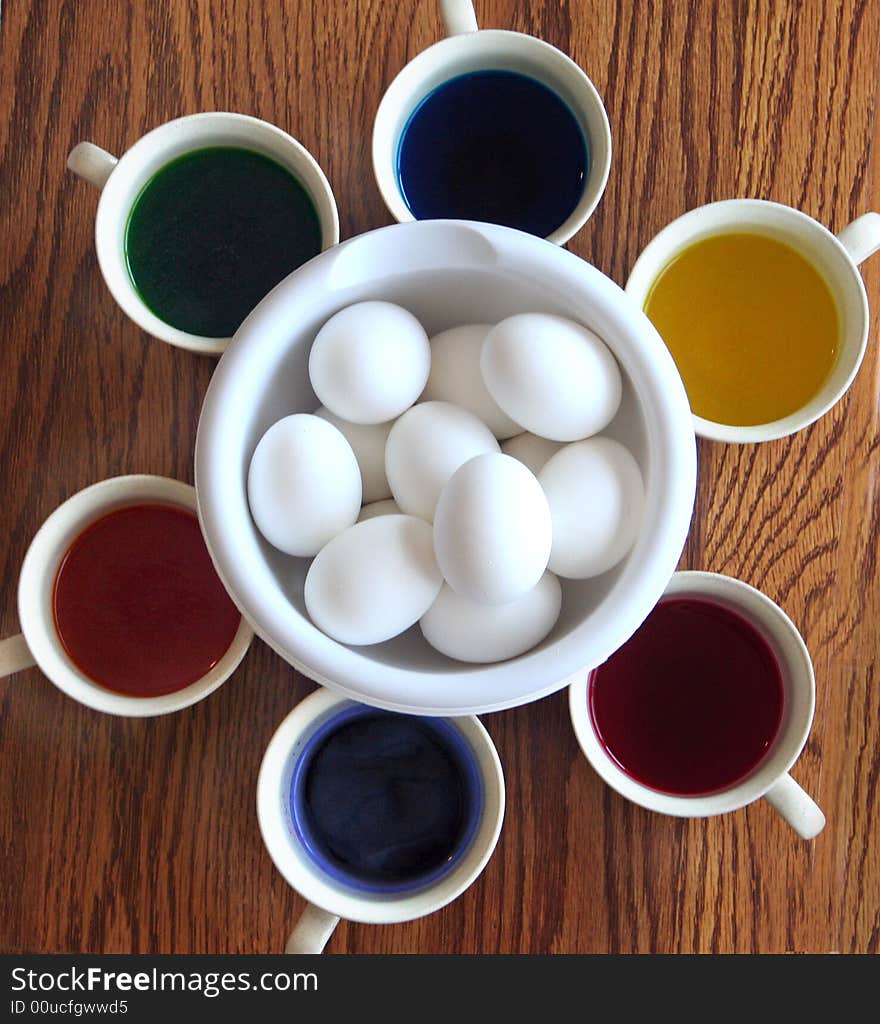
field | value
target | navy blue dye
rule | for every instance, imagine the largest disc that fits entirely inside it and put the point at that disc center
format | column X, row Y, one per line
column 384, row 798
column 493, row 146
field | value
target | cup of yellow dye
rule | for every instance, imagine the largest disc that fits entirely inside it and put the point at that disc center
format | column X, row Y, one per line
column 764, row 311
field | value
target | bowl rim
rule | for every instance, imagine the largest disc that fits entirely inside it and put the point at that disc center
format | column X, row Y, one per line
column 670, row 488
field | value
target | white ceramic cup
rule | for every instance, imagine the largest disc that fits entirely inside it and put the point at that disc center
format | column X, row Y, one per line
column 468, row 49
column 38, row 643
column 836, row 257
column 770, row 779
column 121, row 182
column 330, row 899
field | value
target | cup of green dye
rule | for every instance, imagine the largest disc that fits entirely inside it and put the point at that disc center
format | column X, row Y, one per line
column 201, row 218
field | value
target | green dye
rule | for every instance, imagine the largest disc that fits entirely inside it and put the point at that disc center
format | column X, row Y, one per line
column 212, row 232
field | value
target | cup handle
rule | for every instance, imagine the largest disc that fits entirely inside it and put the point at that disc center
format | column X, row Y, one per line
column 312, row 931
column 798, row 808
column 92, row 163
column 14, row 655
column 458, row 16
column 861, row 238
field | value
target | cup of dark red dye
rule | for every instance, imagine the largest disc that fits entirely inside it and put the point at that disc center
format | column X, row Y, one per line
column 119, row 602
column 706, row 707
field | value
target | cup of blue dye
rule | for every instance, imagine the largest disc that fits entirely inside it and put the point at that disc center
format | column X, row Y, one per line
column 376, row 816
column 496, row 126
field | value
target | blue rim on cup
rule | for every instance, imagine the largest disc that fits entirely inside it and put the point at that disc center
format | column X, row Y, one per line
column 466, row 763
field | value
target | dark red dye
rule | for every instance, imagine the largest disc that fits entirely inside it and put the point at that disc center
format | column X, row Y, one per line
column 692, row 702
column 138, row 605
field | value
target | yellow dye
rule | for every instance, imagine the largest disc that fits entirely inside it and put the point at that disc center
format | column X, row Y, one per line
column 751, row 324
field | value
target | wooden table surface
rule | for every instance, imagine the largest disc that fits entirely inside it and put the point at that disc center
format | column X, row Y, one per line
column 141, row 835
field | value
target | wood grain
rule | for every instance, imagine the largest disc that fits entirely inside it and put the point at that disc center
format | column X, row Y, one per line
column 142, row 836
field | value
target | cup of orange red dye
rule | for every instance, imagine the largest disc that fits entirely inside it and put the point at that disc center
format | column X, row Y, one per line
column 120, row 605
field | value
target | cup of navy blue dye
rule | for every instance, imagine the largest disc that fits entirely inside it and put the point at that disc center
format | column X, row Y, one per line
column 376, row 816
column 494, row 126
column 493, row 146
column 384, row 802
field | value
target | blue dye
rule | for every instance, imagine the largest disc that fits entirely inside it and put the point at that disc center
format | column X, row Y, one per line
column 386, row 802
column 493, row 146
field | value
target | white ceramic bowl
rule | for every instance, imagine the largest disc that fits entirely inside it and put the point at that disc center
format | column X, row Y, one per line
column 446, row 273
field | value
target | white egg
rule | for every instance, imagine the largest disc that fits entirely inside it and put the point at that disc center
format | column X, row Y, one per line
column 469, row 631
column 304, row 485
column 596, row 497
column 492, row 530
column 369, row 362
column 532, row 451
column 455, row 377
column 374, row 580
column 425, row 447
column 368, row 444
column 552, row 375
column 388, row 507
